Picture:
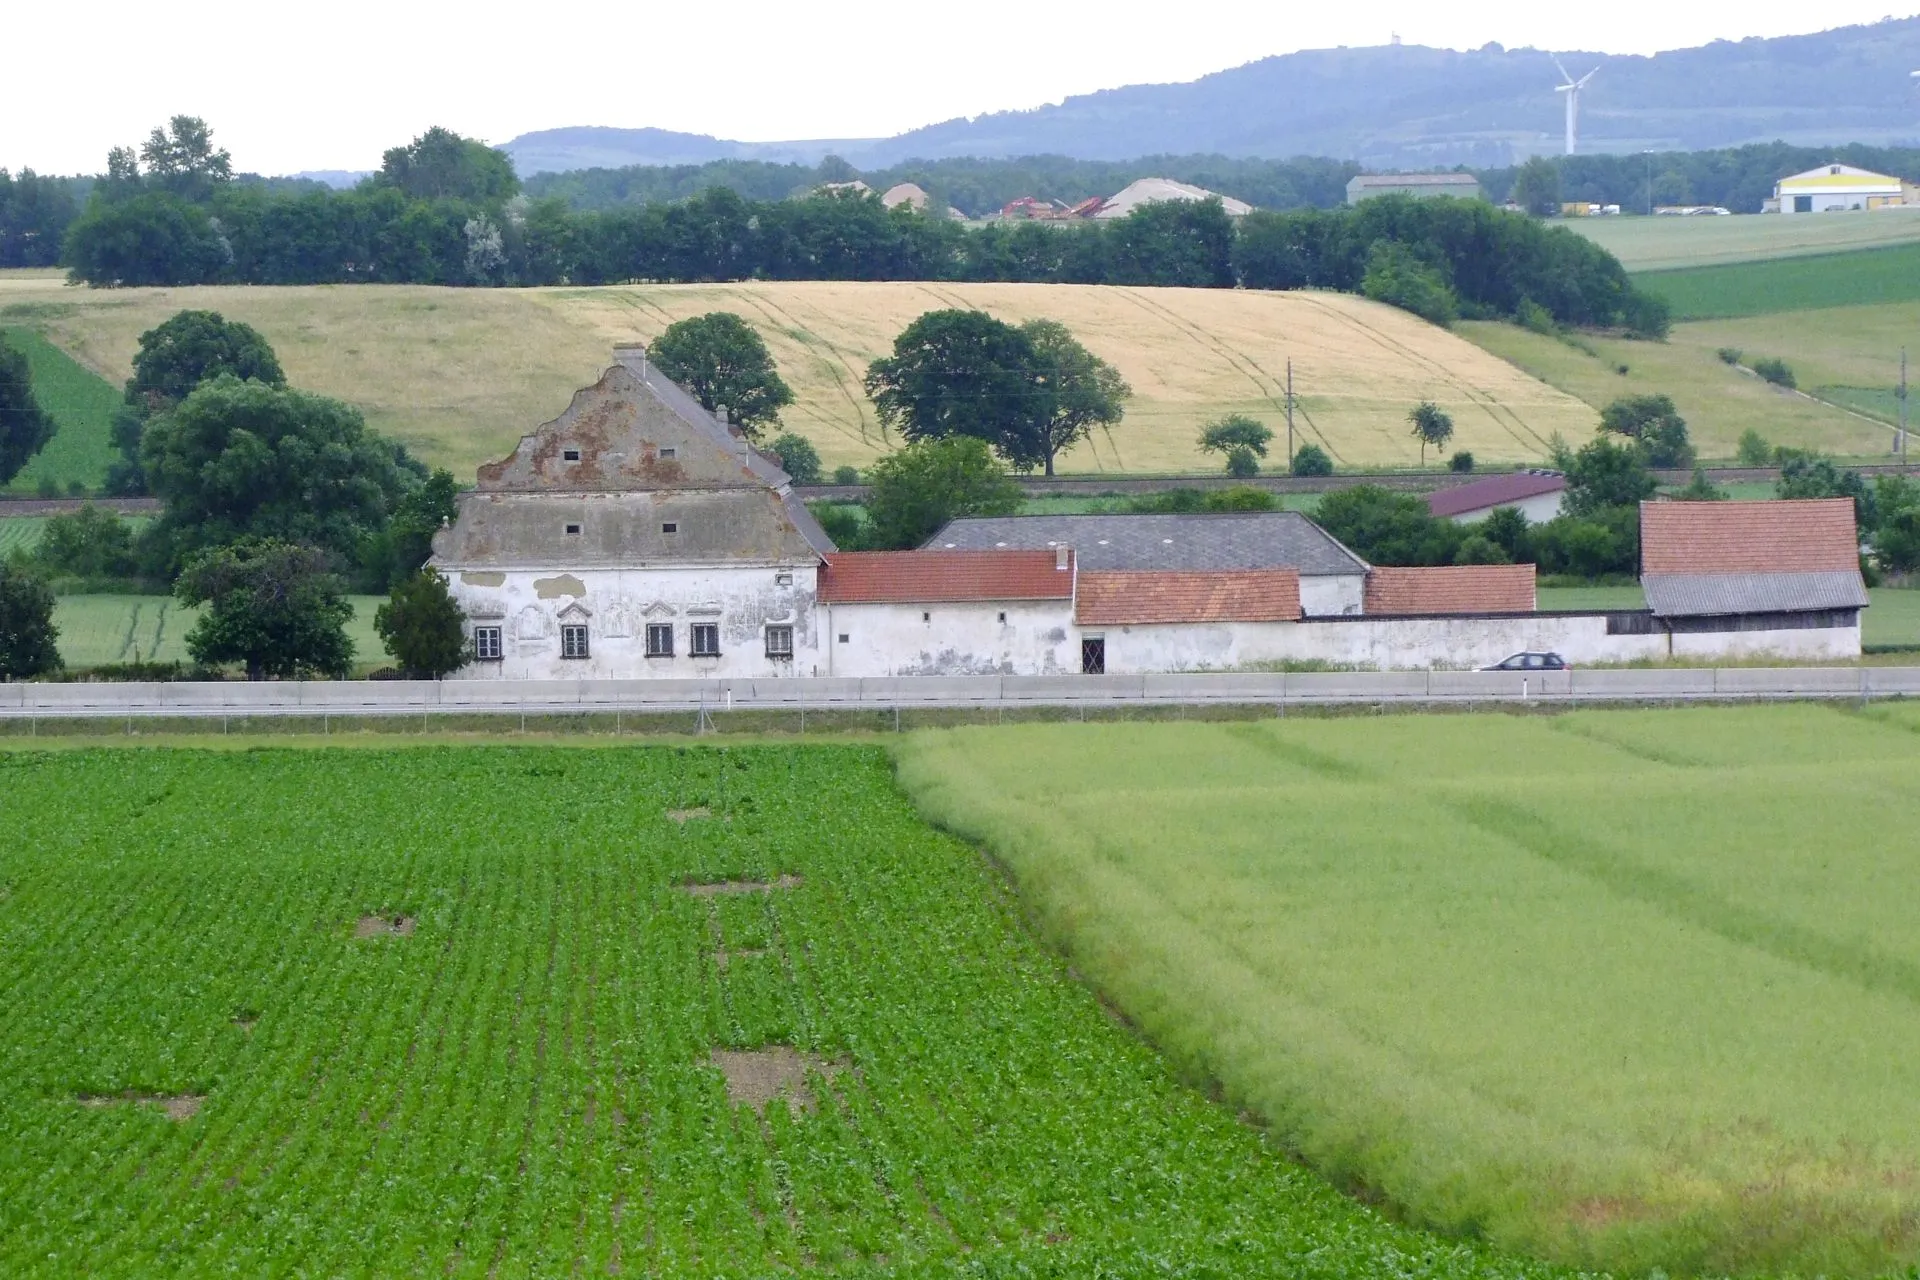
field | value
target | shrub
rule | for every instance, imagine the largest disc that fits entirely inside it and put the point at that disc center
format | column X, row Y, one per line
column 798, row 458
column 842, row 522
column 1480, row 549
column 1531, row 315
column 423, row 627
column 90, row 543
column 1753, row 449
column 1729, row 355
column 1242, row 462
column 1622, row 370
column 1312, row 460
column 1396, row 275
column 27, row 632
column 48, row 488
column 1656, row 424
column 846, row 475
column 1774, row 370
column 1461, row 462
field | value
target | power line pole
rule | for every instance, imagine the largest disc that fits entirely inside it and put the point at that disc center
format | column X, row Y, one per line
column 1902, row 396
column 1290, row 407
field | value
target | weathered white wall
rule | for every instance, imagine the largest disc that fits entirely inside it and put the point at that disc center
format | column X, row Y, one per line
column 1036, row 638
column 1827, row 642
column 1538, row 509
column 1332, row 595
column 529, row 607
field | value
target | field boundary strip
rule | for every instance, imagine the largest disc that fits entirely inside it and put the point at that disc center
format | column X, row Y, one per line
column 704, row 697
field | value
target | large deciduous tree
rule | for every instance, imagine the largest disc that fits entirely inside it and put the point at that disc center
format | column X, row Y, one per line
column 959, row 373
column 921, row 487
column 1082, row 392
column 1536, row 187
column 442, row 165
column 423, row 626
column 1656, row 424
column 1241, row 439
column 272, row 606
column 27, row 632
column 153, row 238
column 1605, row 475
column 244, row 458
column 175, row 356
column 25, row 427
column 721, row 361
column 182, row 159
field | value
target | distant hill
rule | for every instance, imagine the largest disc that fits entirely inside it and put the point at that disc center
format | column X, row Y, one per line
column 1392, row 106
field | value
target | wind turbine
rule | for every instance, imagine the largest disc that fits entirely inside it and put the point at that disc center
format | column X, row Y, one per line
column 1572, row 89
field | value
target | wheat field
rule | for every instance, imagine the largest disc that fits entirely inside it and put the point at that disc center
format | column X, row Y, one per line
column 460, row 374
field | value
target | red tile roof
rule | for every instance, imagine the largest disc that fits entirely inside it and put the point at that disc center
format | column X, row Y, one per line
column 1453, row 588
column 1493, row 491
column 1812, row 535
column 927, row 577
column 1147, row 596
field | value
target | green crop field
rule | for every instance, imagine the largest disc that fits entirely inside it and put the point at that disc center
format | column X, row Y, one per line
column 1632, row 989
column 539, row 1012
column 81, row 404
column 103, row 629
column 19, row 533
column 1658, row 244
column 1790, row 284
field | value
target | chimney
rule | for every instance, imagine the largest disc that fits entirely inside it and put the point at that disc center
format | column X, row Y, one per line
column 720, row 412
column 633, row 357
column 1062, row 554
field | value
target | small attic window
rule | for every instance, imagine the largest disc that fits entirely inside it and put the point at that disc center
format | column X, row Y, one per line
column 1834, row 170
column 570, row 455
column 573, row 530
column 666, row 455
column 670, row 527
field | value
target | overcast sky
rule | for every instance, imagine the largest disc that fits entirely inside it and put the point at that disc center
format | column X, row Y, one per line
column 329, row 86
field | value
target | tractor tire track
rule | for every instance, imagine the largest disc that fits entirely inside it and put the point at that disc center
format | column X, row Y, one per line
column 1236, row 359
column 832, row 357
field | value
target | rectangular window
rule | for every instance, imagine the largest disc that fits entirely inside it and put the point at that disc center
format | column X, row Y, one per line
column 779, row 642
column 573, row 641
column 486, row 644
column 670, row 527
column 659, row 639
column 782, row 579
column 666, row 455
column 1093, row 655
column 573, row 531
column 706, row 640
column 570, row 455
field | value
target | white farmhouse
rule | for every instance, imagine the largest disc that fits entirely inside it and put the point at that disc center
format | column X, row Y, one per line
column 635, row 535
column 1834, row 187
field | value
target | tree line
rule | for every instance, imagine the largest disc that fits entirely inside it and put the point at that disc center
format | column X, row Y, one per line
column 447, row 210
column 1736, row 178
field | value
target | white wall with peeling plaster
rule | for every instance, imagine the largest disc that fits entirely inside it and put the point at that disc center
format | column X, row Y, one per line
column 972, row 638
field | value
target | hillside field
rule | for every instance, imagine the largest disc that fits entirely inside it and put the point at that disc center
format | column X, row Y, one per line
column 534, row 1012
column 80, row 404
column 1666, row 243
column 97, row 630
column 1718, row 401
column 1859, row 278
column 460, row 374
column 1511, row 973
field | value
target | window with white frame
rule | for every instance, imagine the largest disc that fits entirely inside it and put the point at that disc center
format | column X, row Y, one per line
column 780, row 642
column 706, row 640
column 659, row 639
column 486, row 644
column 573, row 640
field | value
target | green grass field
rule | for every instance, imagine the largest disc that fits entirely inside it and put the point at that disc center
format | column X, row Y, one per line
column 19, row 533
column 539, row 1012
column 1515, row 975
column 1658, row 244
column 81, row 404
column 103, row 629
column 1790, row 284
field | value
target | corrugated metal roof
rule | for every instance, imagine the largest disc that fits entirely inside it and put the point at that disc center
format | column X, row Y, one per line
column 1453, row 588
column 1493, row 491
column 1672, row 595
column 1230, row 540
column 1365, row 180
column 932, row 577
column 1804, row 536
column 1126, row 599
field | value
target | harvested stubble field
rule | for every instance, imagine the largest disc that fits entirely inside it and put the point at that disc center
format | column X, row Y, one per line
column 460, row 374
column 1666, row 243
column 1630, row 989
column 457, row 1011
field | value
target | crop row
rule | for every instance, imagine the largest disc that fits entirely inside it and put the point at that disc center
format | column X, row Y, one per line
column 518, row 1077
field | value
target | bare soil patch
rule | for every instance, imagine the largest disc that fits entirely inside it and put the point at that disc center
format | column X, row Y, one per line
column 179, row 1107
column 756, row 1077
column 684, row 816
column 384, row 927
column 723, row 957
column 716, row 888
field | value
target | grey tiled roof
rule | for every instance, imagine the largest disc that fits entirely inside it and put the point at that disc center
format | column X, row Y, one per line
column 1235, row 540
column 1705, row 594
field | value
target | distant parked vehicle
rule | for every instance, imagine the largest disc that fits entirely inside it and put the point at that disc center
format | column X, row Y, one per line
column 1530, row 662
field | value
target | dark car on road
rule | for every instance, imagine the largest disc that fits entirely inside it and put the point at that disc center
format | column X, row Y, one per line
column 1530, row 662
